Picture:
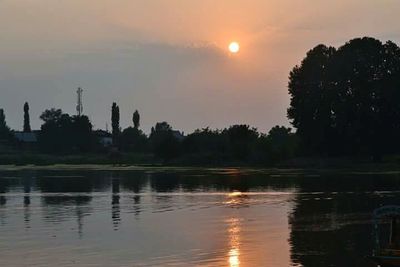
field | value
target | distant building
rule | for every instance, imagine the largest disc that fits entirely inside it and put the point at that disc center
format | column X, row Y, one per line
column 104, row 138
column 27, row 140
column 26, row 137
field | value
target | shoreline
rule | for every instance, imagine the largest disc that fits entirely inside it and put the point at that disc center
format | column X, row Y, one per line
column 356, row 169
column 147, row 161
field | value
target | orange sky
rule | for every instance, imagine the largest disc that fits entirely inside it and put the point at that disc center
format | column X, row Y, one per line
column 168, row 58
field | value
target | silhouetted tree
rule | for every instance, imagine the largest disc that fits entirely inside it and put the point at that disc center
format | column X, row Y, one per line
column 27, row 123
column 241, row 140
column 136, row 119
column 51, row 115
column 3, row 123
column 280, row 144
column 133, row 139
column 163, row 142
column 161, row 127
column 205, row 141
column 5, row 132
column 55, row 131
column 365, row 78
column 83, row 139
column 310, row 100
column 115, row 122
column 347, row 101
column 63, row 133
column 205, row 146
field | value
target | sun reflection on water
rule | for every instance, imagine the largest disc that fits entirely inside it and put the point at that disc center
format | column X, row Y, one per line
column 235, row 194
column 234, row 198
column 234, row 258
column 234, row 242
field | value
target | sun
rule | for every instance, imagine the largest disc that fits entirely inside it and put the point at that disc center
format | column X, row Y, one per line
column 234, row 47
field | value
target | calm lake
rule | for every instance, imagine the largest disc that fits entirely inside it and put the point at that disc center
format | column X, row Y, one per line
column 190, row 217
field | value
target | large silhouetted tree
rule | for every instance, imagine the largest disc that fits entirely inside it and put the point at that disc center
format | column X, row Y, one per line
column 310, row 100
column 115, row 122
column 27, row 123
column 365, row 79
column 347, row 101
column 136, row 119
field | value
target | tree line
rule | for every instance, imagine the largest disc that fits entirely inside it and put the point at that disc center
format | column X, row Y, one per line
column 63, row 133
column 343, row 102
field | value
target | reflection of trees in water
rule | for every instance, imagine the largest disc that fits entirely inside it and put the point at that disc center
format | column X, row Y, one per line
column 229, row 181
column 161, row 183
column 71, row 182
column 27, row 184
column 165, row 182
column 325, row 232
column 134, row 182
column 334, row 227
column 4, row 184
column 115, row 209
column 7, row 183
column 328, row 228
column 65, row 191
column 68, row 194
column 195, row 181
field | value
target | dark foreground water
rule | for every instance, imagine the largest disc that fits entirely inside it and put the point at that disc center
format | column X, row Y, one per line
column 189, row 217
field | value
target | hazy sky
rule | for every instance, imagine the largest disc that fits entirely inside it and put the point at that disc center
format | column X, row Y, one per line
column 168, row 58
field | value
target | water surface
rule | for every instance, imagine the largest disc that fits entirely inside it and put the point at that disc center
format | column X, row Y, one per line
column 230, row 217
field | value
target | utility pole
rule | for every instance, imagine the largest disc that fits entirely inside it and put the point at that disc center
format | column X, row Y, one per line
column 79, row 105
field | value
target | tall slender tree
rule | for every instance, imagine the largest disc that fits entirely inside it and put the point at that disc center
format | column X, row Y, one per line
column 27, row 122
column 5, row 132
column 136, row 119
column 115, row 122
column 2, row 119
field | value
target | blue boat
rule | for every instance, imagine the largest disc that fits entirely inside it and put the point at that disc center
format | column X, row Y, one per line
column 387, row 255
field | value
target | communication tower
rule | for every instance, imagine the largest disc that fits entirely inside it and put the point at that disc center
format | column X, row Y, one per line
column 79, row 105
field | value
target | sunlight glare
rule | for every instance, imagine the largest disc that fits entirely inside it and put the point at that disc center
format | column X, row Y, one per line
column 234, row 242
column 235, row 194
column 234, row 258
column 234, row 47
